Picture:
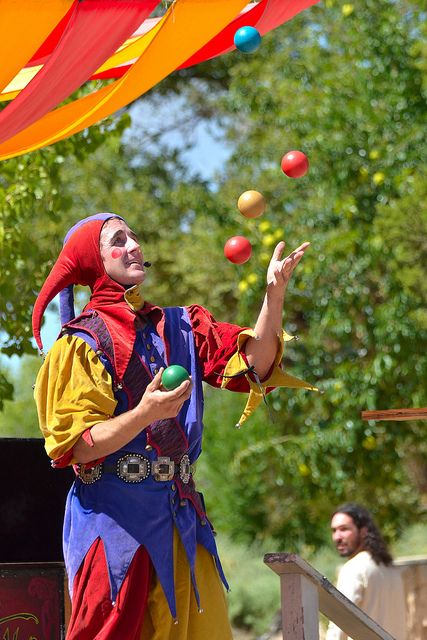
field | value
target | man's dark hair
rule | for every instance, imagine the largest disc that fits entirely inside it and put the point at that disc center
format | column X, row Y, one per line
column 373, row 542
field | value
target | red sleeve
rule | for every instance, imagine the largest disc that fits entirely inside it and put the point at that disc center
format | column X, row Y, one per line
column 215, row 342
column 66, row 458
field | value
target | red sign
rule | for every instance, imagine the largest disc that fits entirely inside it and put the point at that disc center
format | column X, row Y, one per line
column 31, row 602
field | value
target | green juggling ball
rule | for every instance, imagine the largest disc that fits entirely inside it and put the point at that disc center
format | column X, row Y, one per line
column 173, row 376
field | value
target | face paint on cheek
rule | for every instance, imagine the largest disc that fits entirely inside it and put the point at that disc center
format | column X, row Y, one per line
column 116, row 253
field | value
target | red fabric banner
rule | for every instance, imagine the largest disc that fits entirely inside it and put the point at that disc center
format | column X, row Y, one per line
column 265, row 16
column 87, row 41
column 44, row 51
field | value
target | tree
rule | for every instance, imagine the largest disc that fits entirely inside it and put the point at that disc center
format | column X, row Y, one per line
column 344, row 84
column 19, row 417
column 33, row 205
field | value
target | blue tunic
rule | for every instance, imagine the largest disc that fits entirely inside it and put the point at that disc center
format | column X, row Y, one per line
column 125, row 516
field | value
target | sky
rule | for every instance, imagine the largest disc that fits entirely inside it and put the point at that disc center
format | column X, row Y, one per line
column 171, row 123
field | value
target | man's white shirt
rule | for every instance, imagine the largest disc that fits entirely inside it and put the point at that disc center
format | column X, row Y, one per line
column 377, row 590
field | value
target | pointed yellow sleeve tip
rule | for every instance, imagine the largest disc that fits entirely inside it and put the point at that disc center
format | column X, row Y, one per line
column 252, row 403
column 278, row 377
column 286, row 337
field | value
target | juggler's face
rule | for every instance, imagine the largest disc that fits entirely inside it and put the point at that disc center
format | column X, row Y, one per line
column 346, row 536
column 121, row 254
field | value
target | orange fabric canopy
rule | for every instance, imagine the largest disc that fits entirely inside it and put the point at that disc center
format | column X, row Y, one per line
column 86, row 42
column 29, row 24
column 65, row 43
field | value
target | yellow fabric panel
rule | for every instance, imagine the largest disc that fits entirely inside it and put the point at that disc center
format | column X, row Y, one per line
column 129, row 50
column 125, row 53
column 278, row 378
column 25, row 25
column 184, row 29
column 210, row 624
column 132, row 48
column 19, row 82
column 73, row 392
column 9, row 95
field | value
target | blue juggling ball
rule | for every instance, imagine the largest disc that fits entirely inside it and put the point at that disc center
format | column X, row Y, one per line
column 247, row 39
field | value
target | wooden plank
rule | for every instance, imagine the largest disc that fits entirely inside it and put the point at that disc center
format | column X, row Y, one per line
column 67, row 602
column 332, row 603
column 300, row 607
column 395, row 414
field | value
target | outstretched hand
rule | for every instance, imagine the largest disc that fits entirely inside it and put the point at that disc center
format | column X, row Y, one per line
column 280, row 270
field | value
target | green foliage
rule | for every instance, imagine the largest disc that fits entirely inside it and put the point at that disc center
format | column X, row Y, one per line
column 6, row 390
column 19, row 416
column 412, row 543
column 254, row 598
column 254, row 590
column 343, row 83
column 363, row 336
column 33, row 208
column 174, row 213
column 346, row 84
column 401, row 232
column 28, row 192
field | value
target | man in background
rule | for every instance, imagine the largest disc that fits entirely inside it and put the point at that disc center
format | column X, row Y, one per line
column 368, row 578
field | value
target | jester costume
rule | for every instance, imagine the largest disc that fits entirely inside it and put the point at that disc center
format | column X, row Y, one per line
column 139, row 549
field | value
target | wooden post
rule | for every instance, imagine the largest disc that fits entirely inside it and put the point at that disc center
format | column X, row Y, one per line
column 300, row 608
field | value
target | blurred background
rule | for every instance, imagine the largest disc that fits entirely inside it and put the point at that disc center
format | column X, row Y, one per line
column 345, row 84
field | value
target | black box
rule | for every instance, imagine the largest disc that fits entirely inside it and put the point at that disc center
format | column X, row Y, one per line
column 32, row 502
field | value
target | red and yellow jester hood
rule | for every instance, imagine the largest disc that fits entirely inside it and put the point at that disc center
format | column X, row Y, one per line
column 80, row 263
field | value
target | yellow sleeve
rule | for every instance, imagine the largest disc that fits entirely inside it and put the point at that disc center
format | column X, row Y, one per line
column 277, row 378
column 73, row 392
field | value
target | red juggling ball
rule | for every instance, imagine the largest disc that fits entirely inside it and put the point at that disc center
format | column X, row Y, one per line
column 294, row 164
column 238, row 249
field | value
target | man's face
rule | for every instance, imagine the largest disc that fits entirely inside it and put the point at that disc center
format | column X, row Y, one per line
column 121, row 253
column 348, row 539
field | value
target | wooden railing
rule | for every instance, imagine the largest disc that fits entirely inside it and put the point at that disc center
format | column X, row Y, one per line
column 395, row 414
column 305, row 592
